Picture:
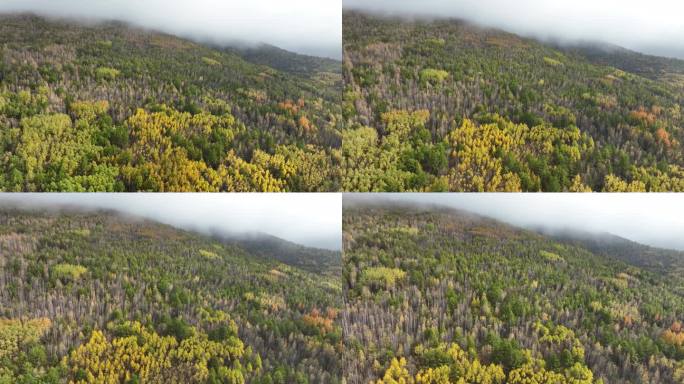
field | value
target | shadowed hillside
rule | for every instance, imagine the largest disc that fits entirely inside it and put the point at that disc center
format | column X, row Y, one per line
column 311, row 259
column 665, row 261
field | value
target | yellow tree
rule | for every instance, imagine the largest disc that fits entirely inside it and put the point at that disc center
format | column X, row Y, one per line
column 396, row 373
column 475, row 165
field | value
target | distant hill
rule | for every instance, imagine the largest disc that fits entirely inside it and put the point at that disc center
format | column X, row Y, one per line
column 434, row 105
column 439, row 294
column 287, row 61
column 649, row 66
column 157, row 304
column 644, row 256
column 125, row 109
column 315, row 260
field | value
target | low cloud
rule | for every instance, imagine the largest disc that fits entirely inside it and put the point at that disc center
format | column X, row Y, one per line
column 651, row 219
column 312, row 27
column 313, row 220
column 653, row 27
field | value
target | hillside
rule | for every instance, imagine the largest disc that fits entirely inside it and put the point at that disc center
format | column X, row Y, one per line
column 446, row 105
column 111, row 107
column 314, row 260
column 283, row 60
column 444, row 296
column 664, row 261
column 86, row 295
column 652, row 67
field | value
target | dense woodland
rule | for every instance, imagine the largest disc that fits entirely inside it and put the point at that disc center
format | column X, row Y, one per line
column 97, row 298
column 445, row 105
column 109, row 107
column 444, row 296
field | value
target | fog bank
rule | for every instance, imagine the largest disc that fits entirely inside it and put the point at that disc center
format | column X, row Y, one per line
column 652, row 219
column 314, row 220
column 312, row 27
column 652, row 27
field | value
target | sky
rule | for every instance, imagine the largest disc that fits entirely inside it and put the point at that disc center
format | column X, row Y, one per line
column 311, row 27
column 651, row 219
column 654, row 27
column 311, row 219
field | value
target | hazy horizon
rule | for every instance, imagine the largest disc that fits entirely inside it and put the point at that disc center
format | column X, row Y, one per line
column 653, row 28
column 313, row 220
column 651, row 219
column 310, row 27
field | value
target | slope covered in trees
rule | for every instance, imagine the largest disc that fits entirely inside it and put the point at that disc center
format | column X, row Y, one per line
column 652, row 67
column 312, row 259
column 653, row 258
column 288, row 61
column 442, row 296
column 445, row 105
column 94, row 297
column 109, row 107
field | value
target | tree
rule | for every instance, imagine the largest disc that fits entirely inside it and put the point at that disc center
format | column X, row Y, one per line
column 396, row 373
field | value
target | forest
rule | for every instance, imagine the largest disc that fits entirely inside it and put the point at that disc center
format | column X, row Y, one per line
column 443, row 105
column 95, row 297
column 108, row 107
column 438, row 296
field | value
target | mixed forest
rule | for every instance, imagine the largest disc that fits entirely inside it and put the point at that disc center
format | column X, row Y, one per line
column 108, row 107
column 438, row 296
column 437, row 105
column 98, row 298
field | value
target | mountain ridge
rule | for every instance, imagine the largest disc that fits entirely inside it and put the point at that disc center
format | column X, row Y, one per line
column 603, row 243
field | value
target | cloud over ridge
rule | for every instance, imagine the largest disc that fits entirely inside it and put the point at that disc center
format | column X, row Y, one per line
column 311, row 219
column 647, row 218
column 311, row 27
column 652, row 27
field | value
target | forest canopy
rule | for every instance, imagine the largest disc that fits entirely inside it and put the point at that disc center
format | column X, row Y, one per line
column 108, row 107
column 486, row 110
column 96, row 297
column 438, row 295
